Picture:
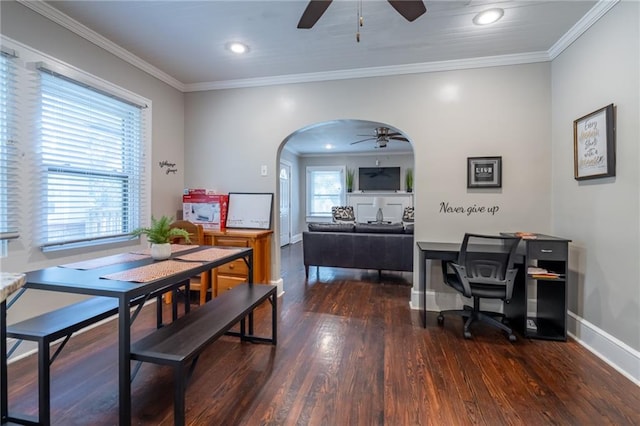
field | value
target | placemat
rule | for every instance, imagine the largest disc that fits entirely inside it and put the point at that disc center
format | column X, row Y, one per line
column 105, row 261
column 175, row 248
column 207, row 255
column 150, row 272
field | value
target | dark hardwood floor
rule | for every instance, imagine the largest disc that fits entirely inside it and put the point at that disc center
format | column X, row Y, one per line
column 350, row 352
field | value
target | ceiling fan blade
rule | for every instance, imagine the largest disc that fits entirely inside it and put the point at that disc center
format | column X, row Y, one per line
column 363, row 140
column 315, row 9
column 399, row 138
column 409, row 9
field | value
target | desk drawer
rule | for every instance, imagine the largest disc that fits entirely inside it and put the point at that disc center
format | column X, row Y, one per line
column 237, row 267
column 232, row 242
column 226, row 283
column 547, row 250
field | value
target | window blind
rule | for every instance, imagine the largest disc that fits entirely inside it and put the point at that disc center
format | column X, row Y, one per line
column 91, row 160
column 8, row 148
column 324, row 189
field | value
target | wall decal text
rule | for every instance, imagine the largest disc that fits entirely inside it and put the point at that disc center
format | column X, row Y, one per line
column 445, row 207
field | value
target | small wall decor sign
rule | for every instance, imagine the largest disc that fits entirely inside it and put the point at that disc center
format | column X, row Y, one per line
column 484, row 172
column 594, row 152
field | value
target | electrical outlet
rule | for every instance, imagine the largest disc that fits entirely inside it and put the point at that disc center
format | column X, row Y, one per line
column 263, row 170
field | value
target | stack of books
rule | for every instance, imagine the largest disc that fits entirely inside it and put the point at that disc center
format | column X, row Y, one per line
column 526, row 235
column 535, row 272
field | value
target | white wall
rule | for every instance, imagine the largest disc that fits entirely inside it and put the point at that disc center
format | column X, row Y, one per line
column 601, row 216
column 26, row 27
column 448, row 116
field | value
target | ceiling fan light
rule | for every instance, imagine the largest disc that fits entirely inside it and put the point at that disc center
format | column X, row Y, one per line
column 489, row 16
column 238, row 48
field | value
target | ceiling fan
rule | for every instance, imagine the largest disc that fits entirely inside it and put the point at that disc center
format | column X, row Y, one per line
column 382, row 137
column 409, row 9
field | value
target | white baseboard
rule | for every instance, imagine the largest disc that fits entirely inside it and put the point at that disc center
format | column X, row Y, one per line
column 280, row 284
column 611, row 350
column 296, row 238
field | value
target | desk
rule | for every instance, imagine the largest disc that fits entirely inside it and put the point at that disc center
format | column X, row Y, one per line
column 551, row 295
column 88, row 282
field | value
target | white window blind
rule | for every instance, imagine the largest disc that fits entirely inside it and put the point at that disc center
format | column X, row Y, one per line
column 91, row 158
column 325, row 189
column 8, row 149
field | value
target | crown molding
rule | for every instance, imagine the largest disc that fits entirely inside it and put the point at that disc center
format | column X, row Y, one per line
column 484, row 62
column 590, row 18
column 60, row 18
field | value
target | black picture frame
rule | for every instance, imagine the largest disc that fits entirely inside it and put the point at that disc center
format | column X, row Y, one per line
column 484, row 172
column 594, row 140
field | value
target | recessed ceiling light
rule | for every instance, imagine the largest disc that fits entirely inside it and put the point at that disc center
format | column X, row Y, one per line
column 238, row 48
column 488, row 16
column 328, row 146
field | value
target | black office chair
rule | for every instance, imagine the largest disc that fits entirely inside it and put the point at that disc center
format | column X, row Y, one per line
column 484, row 270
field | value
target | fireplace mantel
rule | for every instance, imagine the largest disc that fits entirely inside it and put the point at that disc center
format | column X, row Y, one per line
column 393, row 203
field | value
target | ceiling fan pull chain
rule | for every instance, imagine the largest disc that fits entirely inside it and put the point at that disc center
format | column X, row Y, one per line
column 359, row 20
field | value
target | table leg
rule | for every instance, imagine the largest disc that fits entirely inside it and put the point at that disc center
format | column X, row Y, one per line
column 423, row 285
column 4, row 387
column 124, row 363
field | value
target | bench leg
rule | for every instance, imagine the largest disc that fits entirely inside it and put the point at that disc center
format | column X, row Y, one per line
column 179, row 396
column 274, row 319
column 44, row 383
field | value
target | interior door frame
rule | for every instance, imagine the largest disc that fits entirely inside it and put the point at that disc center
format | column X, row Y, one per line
column 289, row 165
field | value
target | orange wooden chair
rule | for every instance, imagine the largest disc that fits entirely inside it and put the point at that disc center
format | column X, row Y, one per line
column 196, row 235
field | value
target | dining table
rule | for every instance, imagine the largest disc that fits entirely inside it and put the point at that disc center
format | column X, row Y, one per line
column 132, row 281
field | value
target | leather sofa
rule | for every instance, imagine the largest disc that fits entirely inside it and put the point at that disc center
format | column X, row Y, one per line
column 362, row 246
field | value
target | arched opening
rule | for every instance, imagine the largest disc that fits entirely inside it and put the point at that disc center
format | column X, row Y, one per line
column 344, row 145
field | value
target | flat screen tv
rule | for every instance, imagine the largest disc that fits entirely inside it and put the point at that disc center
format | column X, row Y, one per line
column 379, row 178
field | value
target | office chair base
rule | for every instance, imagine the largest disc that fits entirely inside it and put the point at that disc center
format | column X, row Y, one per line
column 472, row 315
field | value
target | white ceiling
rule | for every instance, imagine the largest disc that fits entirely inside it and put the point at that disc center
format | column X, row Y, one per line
column 183, row 42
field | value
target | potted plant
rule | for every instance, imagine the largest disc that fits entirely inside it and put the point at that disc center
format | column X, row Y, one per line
column 350, row 175
column 160, row 234
column 408, row 179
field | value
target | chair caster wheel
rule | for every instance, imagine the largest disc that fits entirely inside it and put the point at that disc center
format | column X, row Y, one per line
column 467, row 335
column 440, row 320
column 512, row 337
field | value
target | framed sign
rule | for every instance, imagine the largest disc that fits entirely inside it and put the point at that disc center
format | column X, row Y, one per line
column 594, row 152
column 484, row 172
column 249, row 210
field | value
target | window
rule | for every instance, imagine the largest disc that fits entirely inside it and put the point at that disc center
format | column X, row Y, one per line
column 8, row 150
column 325, row 189
column 91, row 160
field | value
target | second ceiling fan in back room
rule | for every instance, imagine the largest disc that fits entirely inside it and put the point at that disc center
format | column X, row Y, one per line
column 409, row 9
column 382, row 137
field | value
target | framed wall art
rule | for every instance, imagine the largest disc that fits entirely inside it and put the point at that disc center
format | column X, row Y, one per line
column 594, row 152
column 484, row 172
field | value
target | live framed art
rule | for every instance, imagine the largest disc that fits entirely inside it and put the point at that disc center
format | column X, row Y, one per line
column 484, row 172
column 594, row 140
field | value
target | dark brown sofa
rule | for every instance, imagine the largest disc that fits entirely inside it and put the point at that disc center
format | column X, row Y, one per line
column 362, row 246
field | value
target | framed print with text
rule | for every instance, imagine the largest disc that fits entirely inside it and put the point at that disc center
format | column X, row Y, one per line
column 484, row 172
column 594, row 151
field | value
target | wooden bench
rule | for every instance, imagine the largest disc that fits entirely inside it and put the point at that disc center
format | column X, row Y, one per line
column 181, row 342
column 51, row 326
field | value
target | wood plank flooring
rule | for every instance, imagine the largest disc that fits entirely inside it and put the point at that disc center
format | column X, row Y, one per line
column 350, row 352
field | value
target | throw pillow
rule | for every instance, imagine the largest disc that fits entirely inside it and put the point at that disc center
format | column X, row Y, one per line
column 343, row 214
column 407, row 216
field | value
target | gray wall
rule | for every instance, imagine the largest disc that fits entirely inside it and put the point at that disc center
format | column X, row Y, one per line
column 601, row 216
column 448, row 116
column 22, row 25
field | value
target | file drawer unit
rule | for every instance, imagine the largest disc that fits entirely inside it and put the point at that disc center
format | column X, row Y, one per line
column 228, row 276
column 549, row 294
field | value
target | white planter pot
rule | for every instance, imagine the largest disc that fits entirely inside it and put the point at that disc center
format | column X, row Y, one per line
column 160, row 251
